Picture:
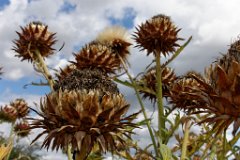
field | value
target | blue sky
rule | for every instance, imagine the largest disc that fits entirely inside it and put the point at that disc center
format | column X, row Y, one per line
column 213, row 25
column 3, row 3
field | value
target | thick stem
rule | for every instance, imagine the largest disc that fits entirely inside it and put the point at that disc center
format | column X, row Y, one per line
column 161, row 118
column 185, row 140
column 69, row 153
column 11, row 139
column 142, row 107
column 44, row 69
column 224, row 144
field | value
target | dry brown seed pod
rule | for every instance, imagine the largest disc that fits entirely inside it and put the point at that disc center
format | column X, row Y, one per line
column 34, row 37
column 149, row 80
column 87, row 79
column 83, row 118
column 117, row 39
column 21, row 106
column 97, row 55
column 8, row 113
column 22, row 129
column 157, row 34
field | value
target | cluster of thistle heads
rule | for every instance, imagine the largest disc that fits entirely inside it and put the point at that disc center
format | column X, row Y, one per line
column 16, row 112
column 85, row 107
column 216, row 93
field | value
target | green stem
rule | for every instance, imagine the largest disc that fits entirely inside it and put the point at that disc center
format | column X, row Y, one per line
column 11, row 139
column 206, row 149
column 224, row 144
column 161, row 119
column 42, row 66
column 69, row 153
column 140, row 88
column 185, row 140
column 142, row 106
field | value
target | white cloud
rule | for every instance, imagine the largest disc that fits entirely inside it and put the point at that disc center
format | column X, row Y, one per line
column 211, row 23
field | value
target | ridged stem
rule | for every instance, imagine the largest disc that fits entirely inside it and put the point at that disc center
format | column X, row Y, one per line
column 11, row 139
column 224, row 144
column 142, row 107
column 185, row 140
column 69, row 153
column 161, row 119
column 44, row 69
column 42, row 66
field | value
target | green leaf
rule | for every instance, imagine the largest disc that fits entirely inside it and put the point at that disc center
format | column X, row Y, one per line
column 165, row 152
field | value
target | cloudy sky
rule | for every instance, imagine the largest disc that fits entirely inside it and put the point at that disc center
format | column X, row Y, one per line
column 214, row 25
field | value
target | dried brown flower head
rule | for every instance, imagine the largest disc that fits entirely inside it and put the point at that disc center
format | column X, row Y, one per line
column 83, row 118
column 8, row 113
column 88, row 79
column 21, row 106
column 22, row 129
column 97, row 55
column 219, row 95
column 224, row 96
column 117, row 39
column 34, row 37
column 63, row 73
column 157, row 34
column 149, row 81
column 185, row 92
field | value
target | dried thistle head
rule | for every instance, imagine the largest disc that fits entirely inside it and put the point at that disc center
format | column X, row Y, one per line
column 63, row 73
column 21, row 106
column 82, row 119
column 219, row 95
column 22, row 129
column 185, row 92
column 224, row 96
column 97, row 55
column 149, row 80
column 8, row 113
column 87, row 79
column 117, row 39
column 157, row 34
column 34, row 37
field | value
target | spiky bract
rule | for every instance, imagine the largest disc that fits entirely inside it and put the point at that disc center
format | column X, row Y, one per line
column 185, row 91
column 82, row 119
column 88, row 79
column 34, row 37
column 8, row 113
column 21, row 106
column 97, row 55
column 157, row 34
column 149, row 80
column 117, row 39
column 22, row 129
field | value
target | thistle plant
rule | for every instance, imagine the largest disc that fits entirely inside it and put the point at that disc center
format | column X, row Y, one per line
column 86, row 115
column 14, row 113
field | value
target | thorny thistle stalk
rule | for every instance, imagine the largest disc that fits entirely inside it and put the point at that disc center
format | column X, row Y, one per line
column 34, row 44
column 158, row 36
